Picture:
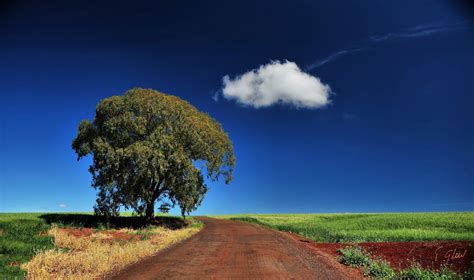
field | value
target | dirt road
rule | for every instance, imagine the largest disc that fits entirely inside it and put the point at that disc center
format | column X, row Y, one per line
column 227, row 249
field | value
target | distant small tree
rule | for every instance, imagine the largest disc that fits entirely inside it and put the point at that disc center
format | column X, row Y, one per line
column 164, row 208
column 147, row 146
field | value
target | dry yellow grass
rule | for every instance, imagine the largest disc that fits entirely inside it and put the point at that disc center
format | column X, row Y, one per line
column 94, row 256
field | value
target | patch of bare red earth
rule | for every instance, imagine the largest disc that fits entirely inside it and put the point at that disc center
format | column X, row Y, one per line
column 458, row 255
column 113, row 234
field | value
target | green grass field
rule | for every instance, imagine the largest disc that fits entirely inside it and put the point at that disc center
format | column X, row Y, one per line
column 19, row 240
column 369, row 227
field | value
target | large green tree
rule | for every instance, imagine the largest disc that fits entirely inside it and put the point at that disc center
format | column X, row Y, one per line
column 147, row 146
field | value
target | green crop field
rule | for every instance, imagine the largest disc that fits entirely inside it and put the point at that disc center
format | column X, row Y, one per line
column 369, row 227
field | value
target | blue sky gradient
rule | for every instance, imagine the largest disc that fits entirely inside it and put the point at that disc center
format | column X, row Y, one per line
column 398, row 135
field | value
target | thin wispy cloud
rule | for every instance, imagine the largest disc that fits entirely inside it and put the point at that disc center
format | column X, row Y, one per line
column 421, row 31
column 333, row 57
column 417, row 31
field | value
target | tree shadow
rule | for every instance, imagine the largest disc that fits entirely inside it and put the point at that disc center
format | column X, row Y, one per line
column 94, row 221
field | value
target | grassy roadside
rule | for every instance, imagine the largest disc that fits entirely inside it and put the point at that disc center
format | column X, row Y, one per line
column 94, row 256
column 369, row 227
column 35, row 237
column 380, row 269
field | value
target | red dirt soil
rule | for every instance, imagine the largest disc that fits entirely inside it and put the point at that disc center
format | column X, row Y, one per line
column 458, row 255
column 114, row 235
column 78, row 232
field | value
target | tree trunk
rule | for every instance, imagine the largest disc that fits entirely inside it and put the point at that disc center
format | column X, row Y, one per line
column 150, row 211
column 183, row 213
column 150, row 205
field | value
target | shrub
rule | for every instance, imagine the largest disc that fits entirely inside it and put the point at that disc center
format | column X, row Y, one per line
column 469, row 274
column 379, row 269
column 417, row 272
column 354, row 256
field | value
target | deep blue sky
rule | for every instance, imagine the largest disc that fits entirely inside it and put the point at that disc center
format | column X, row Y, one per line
column 398, row 135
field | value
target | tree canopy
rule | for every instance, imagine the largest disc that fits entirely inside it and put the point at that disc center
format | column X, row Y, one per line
column 147, row 146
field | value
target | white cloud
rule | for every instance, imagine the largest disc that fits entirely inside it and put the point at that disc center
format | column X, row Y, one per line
column 62, row 205
column 277, row 83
